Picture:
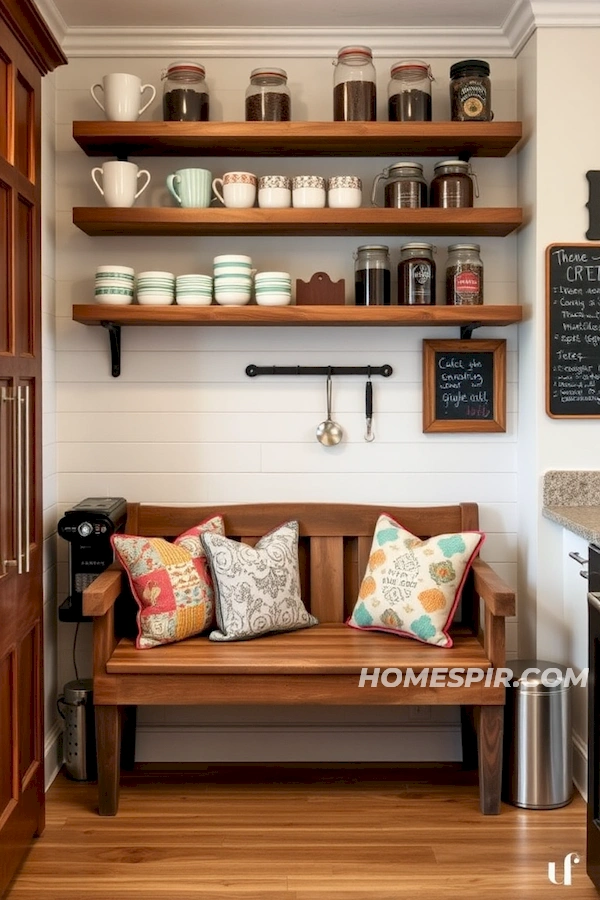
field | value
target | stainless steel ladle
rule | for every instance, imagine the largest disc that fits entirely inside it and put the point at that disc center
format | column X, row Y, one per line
column 329, row 432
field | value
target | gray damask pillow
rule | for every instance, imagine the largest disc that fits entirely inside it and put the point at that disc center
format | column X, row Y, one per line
column 257, row 589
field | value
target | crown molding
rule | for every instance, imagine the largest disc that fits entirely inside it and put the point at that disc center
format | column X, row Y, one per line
column 519, row 25
column 53, row 19
column 561, row 14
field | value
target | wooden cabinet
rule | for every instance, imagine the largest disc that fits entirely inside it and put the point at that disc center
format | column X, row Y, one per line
column 27, row 51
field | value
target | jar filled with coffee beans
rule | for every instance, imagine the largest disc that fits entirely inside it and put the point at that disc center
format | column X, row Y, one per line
column 185, row 94
column 354, row 87
column 416, row 275
column 464, row 275
column 268, row 96
column 452, row 185
column 405, row 186
column 372, row 280
column 470, row 91
column 409, row 91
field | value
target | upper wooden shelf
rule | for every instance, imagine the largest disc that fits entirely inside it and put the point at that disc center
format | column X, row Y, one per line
column 123, row 139
column 164, row 222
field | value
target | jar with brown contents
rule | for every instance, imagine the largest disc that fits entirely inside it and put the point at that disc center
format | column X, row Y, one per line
column 452, row 185
column 470, row 91
column 268, row 96
column 464, row 275
column 354, row 91
column 416, row 275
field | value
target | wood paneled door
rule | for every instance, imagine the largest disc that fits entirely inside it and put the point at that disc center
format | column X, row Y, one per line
column 27, row 51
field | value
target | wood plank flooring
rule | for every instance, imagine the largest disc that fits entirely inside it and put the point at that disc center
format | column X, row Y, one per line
column 295, row 833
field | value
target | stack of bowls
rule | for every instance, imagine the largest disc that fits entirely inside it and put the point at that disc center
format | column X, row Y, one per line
column 233, row 279
column 114, row 285
column 155, row 288
column 193, row 290
column 273, row 288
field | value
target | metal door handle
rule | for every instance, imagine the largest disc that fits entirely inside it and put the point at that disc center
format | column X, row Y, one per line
column 19, row 457
column 26, row 477
column 578, row 558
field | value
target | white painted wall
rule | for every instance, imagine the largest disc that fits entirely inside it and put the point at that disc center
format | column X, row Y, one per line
column 184, row 424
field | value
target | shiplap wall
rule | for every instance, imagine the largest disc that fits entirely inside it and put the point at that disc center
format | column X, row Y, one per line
column 184, row 424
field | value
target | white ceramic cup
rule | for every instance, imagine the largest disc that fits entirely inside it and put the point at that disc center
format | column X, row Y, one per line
column 119, row 182
column 122, row 96
column 308, row 191
column 344, row 192
column 239, row 189
column 274, row 192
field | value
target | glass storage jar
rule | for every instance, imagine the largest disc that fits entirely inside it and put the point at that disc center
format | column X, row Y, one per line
column 464, row 275
column 372, row 275
column 406, row 187
column 268, row 96
column 416, row 275
column 185, row 94
column 452, row 184
column 354, row 86
column 470, row 91
column 409, row 91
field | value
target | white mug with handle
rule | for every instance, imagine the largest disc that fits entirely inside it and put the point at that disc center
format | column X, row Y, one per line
column 122, row 96
column 119, row 182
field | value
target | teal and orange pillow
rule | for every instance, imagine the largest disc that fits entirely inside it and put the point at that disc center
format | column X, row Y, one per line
column 412, row 587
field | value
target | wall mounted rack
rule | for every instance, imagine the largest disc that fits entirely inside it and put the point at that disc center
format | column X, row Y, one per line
column 385, row 371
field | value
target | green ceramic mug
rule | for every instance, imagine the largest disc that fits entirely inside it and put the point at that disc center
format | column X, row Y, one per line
column 191, row 187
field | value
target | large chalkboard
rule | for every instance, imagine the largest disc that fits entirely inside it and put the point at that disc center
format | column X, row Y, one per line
column 464, row 386
column 573, row 330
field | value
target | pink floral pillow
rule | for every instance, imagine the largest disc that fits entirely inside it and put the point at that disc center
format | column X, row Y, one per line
column 171, row 583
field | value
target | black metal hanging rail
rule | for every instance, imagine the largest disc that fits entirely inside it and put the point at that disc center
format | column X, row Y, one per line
column 385, row 371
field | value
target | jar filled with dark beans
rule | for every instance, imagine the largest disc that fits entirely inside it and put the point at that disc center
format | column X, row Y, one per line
column 405, row 186
column 409, row 91
column 464, row 275
column 354, row 91
column 452, row 185
column 470, row 91
column 185, row 95
column 268, row 96
column 416, row 275
column 372, row 281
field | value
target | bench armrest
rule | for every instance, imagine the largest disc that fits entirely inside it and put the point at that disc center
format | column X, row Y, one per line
column 497, row 595
column 100, row 596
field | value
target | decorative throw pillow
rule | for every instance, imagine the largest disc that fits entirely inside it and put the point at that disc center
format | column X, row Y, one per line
column 171, row 583
column 412, row 587
column 257, row 589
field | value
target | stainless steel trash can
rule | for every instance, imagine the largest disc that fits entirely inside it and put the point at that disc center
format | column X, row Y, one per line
column 537, row 728
column 80, row 733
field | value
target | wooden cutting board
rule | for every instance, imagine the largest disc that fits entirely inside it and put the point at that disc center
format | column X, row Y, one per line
column 320, row 291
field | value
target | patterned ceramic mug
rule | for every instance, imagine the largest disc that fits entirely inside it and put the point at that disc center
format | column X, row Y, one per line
column 239, row 189
column 308, row 191
column 344, row 191
column 274, row 191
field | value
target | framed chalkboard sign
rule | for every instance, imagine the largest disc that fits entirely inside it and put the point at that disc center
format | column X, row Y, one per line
column 464, row 386
column 573, row 330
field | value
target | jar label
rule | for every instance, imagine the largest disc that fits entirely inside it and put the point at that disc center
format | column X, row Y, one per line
column 422, row 274
column 466, row 284
column 472, row 98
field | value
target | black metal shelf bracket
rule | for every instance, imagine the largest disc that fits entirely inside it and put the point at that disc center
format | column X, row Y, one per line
column 466, row 331
column 114, row 335
column 385, row 371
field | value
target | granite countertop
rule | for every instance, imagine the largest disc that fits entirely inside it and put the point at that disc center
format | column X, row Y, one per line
column 572, row 499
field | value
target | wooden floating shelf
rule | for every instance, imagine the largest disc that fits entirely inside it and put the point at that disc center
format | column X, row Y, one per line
column 458, row 316
column 466, row 139
column 167, row 222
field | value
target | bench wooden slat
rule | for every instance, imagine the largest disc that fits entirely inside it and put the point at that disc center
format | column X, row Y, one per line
column 327, row 578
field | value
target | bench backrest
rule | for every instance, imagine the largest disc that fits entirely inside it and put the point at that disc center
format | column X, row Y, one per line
column 335, row 541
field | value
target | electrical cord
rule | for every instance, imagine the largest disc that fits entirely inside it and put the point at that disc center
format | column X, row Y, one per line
column 74, row 651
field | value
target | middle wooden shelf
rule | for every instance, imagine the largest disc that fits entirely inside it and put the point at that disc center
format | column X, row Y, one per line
column 165, row 222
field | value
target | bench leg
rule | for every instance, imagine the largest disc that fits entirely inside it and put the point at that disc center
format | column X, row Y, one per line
column 490, row 727
column 108, row 747
column 128, row 738
column 469, row 738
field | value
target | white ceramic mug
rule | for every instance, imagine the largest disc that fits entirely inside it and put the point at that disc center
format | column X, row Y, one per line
column 344, row 192
column 122, row 96
column 274, row 191
column 308, row 191
column 119, row 182
column 239, row 189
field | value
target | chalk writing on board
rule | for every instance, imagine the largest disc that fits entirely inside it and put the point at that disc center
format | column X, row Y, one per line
column 462, row 388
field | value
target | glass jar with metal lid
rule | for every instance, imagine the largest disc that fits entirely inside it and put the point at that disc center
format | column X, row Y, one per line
column 372, row 279
column 452, row 185
column 268, row 96
column 416, row 275
column 354, row 86
column 409, row 91
column 406, row 187
column 464, row 275
column 470, row 91
column 185, row 94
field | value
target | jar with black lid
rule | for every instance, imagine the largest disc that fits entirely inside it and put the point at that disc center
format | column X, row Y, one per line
column 406, row 187
column 268, row 96
column 464, row 275
column 354, row 87
column 409, row 91
column 470, row 91
column 452, row 185
column 416, row 275
column 372, row 280
column 185, row 94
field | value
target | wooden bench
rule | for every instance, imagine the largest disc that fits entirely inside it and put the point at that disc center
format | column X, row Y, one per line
column 319, row 665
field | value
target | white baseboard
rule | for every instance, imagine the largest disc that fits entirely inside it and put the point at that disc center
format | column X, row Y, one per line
column 53, row 753
column 417, row 743
column 580, row 765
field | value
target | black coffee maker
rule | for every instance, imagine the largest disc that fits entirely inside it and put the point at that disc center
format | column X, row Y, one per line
column 88, row 528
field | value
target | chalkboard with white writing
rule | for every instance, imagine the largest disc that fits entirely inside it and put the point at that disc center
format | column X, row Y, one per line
column 573, row 330
column 464, row 386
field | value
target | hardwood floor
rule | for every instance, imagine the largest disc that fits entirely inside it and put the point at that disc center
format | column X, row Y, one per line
column 269, row 833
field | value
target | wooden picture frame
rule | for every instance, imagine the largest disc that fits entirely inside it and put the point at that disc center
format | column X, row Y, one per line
column 464, row 386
